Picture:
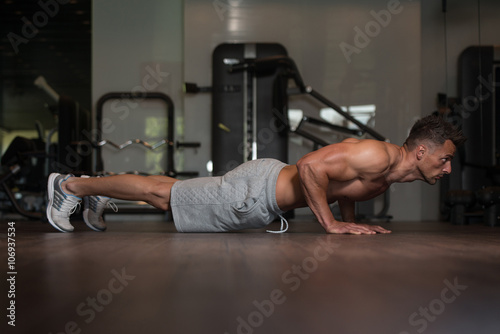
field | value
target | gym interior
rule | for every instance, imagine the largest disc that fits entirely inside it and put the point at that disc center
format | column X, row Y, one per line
column 191, row 88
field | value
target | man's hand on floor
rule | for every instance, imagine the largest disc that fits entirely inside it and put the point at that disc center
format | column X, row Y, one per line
column 353, row 228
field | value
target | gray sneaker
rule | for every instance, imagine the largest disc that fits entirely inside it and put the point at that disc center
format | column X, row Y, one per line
column 92, row 211
column 93, row 208
column 61, row 205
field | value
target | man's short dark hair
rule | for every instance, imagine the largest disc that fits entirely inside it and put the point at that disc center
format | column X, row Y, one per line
column 434, row 129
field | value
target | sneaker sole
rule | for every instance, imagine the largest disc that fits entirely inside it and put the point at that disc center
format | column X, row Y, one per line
column 50, row 189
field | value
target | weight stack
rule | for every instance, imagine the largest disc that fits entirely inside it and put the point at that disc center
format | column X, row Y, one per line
column 247, row 105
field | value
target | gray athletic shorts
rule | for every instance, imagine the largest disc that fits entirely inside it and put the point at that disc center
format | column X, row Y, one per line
column 243, row 198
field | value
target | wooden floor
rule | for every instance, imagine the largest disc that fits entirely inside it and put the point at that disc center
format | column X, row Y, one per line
column 143, row 277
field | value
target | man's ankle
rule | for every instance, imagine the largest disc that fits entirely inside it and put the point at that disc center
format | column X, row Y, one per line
column 68, row 187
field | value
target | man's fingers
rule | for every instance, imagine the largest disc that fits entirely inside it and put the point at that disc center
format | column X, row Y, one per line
column 353, row 228
column 380, row 229
column 357, row 229
column 376, row 228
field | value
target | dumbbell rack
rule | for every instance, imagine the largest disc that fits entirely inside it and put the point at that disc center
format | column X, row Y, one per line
column 168, row 143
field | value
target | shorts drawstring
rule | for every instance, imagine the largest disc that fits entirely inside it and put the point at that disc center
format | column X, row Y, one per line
column 283, row 220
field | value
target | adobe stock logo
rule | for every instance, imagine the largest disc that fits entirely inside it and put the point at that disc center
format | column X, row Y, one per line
column 429, row 313
column 97, row 303
column 294, row 277
column 372, row 29
column 221, row 8
column 29, row 30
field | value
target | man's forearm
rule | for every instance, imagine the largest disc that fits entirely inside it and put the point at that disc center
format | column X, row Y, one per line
column 316, row 200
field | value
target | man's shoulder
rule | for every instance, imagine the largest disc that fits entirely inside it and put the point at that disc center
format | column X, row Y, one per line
column 373, row 154
column 371, row 144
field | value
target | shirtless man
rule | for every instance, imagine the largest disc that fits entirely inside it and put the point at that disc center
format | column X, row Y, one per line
column 257, row 192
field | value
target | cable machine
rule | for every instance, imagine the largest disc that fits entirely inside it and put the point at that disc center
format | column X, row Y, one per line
column 250, row 94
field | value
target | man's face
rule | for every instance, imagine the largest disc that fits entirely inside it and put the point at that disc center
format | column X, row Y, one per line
column 436, row 162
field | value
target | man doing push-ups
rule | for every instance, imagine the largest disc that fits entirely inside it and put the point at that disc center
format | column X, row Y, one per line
column 257, row 192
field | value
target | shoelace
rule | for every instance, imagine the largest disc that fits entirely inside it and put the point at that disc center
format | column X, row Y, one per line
column 72, row 209
column 283, row 222
column 109, row 203
column 112, row 206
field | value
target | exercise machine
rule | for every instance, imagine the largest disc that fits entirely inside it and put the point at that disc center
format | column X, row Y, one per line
column 27, row 162
column 289, row 71
column 250, row 93
column 124, row 120
column 166, row 144
column 473, row 191
column 244, row 126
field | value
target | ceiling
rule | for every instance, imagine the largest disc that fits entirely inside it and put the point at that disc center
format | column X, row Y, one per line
column 43, row 38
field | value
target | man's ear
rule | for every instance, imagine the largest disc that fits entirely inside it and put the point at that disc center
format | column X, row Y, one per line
column 421, row 150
